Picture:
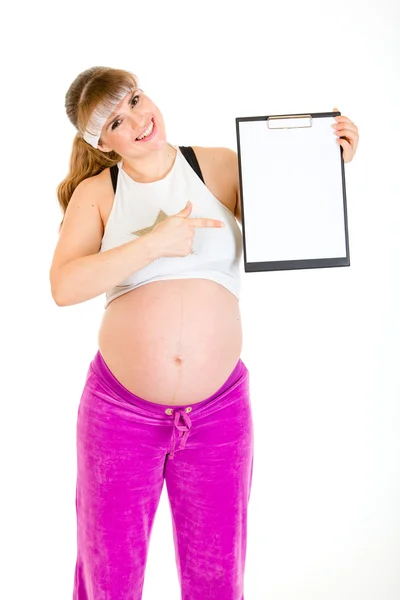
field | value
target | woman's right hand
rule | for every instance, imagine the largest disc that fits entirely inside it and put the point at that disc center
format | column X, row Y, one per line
column 174, row 236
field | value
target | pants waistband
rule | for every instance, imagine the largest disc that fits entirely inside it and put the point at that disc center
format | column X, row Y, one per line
column 108, row 379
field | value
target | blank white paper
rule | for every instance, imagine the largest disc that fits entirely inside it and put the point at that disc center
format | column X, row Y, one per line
column 292, row 192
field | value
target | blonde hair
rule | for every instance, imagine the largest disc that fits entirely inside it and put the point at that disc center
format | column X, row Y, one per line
column 93, row 87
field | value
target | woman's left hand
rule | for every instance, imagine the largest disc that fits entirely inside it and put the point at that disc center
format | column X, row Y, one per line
column 348, row 136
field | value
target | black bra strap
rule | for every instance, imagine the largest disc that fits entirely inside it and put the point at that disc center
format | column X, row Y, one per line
column 114, row 176
column 187, row 152
column 190, row 156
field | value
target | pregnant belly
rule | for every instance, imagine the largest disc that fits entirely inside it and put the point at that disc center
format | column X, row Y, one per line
column 172, row 342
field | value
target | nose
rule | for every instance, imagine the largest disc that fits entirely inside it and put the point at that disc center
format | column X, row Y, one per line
column 138, row 123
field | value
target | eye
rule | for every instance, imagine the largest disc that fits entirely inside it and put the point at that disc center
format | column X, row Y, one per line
column 132, row 103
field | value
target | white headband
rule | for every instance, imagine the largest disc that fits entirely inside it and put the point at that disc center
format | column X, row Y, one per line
column 100, row 115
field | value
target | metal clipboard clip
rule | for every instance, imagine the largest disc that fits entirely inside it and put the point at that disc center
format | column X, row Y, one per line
column 289, row 121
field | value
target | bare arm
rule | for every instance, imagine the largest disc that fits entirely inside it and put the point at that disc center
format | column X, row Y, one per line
column 89, row 276
column 235, row 176
column 79, row 271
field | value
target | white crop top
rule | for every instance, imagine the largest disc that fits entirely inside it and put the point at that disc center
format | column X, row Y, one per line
column 135, row 210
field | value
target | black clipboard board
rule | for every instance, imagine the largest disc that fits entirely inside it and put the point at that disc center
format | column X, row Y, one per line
column 293, row 192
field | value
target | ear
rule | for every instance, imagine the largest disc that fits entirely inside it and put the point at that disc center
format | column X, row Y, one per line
column 103, row 148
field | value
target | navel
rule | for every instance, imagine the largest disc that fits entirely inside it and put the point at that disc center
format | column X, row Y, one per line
column 177, row 360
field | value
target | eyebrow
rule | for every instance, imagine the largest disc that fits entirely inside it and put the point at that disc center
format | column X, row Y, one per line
column 115, row 118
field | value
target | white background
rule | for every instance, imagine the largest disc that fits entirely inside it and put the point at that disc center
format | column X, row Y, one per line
column 322, row 345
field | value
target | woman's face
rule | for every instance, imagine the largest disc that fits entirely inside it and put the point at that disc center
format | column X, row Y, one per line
column 132, row 117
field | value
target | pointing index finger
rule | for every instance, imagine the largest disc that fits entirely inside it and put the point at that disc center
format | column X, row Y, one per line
column 203, row 222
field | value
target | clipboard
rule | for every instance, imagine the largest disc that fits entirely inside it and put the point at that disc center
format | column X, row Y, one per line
column 293, row 192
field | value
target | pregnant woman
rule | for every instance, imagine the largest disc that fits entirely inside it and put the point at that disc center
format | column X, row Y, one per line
column 153, row 226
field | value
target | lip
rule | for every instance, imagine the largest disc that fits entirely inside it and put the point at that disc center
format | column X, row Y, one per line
column 150, row 137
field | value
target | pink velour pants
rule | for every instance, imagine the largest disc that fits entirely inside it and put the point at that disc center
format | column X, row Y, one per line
column 126, row 447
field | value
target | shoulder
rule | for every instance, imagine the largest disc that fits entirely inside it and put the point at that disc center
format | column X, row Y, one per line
column 220, row 156
column 100, row 182
column 98, row 190
column 220, row 165
column 95, row 187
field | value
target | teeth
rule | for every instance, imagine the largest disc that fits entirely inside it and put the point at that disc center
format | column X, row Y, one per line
column 147, row 132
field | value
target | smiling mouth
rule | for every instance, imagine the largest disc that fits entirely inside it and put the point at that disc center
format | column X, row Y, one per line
column 147, row 133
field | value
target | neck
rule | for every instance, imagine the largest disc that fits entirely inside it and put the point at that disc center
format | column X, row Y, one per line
column 152, row 167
